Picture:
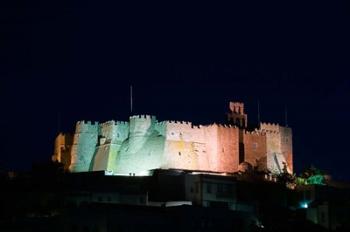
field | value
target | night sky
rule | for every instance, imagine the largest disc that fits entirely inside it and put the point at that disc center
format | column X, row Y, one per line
column 67, row 61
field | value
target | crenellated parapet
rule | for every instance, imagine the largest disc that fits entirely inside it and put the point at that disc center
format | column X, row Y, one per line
column 140, row 125
column 279, row 146
column 142, row 117
column 143, row 143
column 272, row 128
column 183, row 131
column 237, row 107
column 186, row 131
column 84, row 144
column 113, row 131
column 86, row 127
column 226, row 126
column 255, row 132
column 237, row 116
column 160, row 127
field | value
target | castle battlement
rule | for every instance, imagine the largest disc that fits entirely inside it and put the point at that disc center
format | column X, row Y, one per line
column 121, row 123
column 107, row 123
column 269, row 124
column 83, row 122
column 113, row 123
column 160, row 125
column 271, row 132
column 86, row 127
column 255, row 133
column 178, row 122
column 237, row 107
column 220, row 125
column 144, row 116
column 270, row 127
column 226, row 126
column 144, row 143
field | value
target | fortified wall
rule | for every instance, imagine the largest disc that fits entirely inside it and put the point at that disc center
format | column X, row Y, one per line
column 255, row 148
column 278, row 146
column 143, row 143
column 62, row 151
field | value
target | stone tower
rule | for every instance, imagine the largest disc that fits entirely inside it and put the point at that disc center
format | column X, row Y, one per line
column 279, row 147
column 237, row 116
column 84, row 144
column 63, row 145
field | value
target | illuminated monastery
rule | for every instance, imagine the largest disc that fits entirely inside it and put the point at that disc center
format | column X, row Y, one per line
column 143, row 144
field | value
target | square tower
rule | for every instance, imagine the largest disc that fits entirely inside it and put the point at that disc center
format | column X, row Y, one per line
column 237, row 116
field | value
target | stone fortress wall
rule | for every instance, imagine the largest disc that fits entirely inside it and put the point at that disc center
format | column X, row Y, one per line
column 143, row 144
column 278, row 147
column 62, row 151
column 255, row 148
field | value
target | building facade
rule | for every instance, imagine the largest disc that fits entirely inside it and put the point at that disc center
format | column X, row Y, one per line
column 144, row 143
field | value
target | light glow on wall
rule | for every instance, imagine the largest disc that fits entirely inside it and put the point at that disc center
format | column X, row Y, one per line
column 143, row 143
column 304, row 205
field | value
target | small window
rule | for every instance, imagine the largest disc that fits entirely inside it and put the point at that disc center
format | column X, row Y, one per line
column 255, row 146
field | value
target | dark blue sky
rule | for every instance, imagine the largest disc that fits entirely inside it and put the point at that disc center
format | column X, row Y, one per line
column 77, row 59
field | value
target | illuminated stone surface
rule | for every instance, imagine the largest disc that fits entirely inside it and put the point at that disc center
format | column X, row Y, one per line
column 143, row 144
column 84, row 146
column 278, row 147
column 255, row 148
column 62, row 152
